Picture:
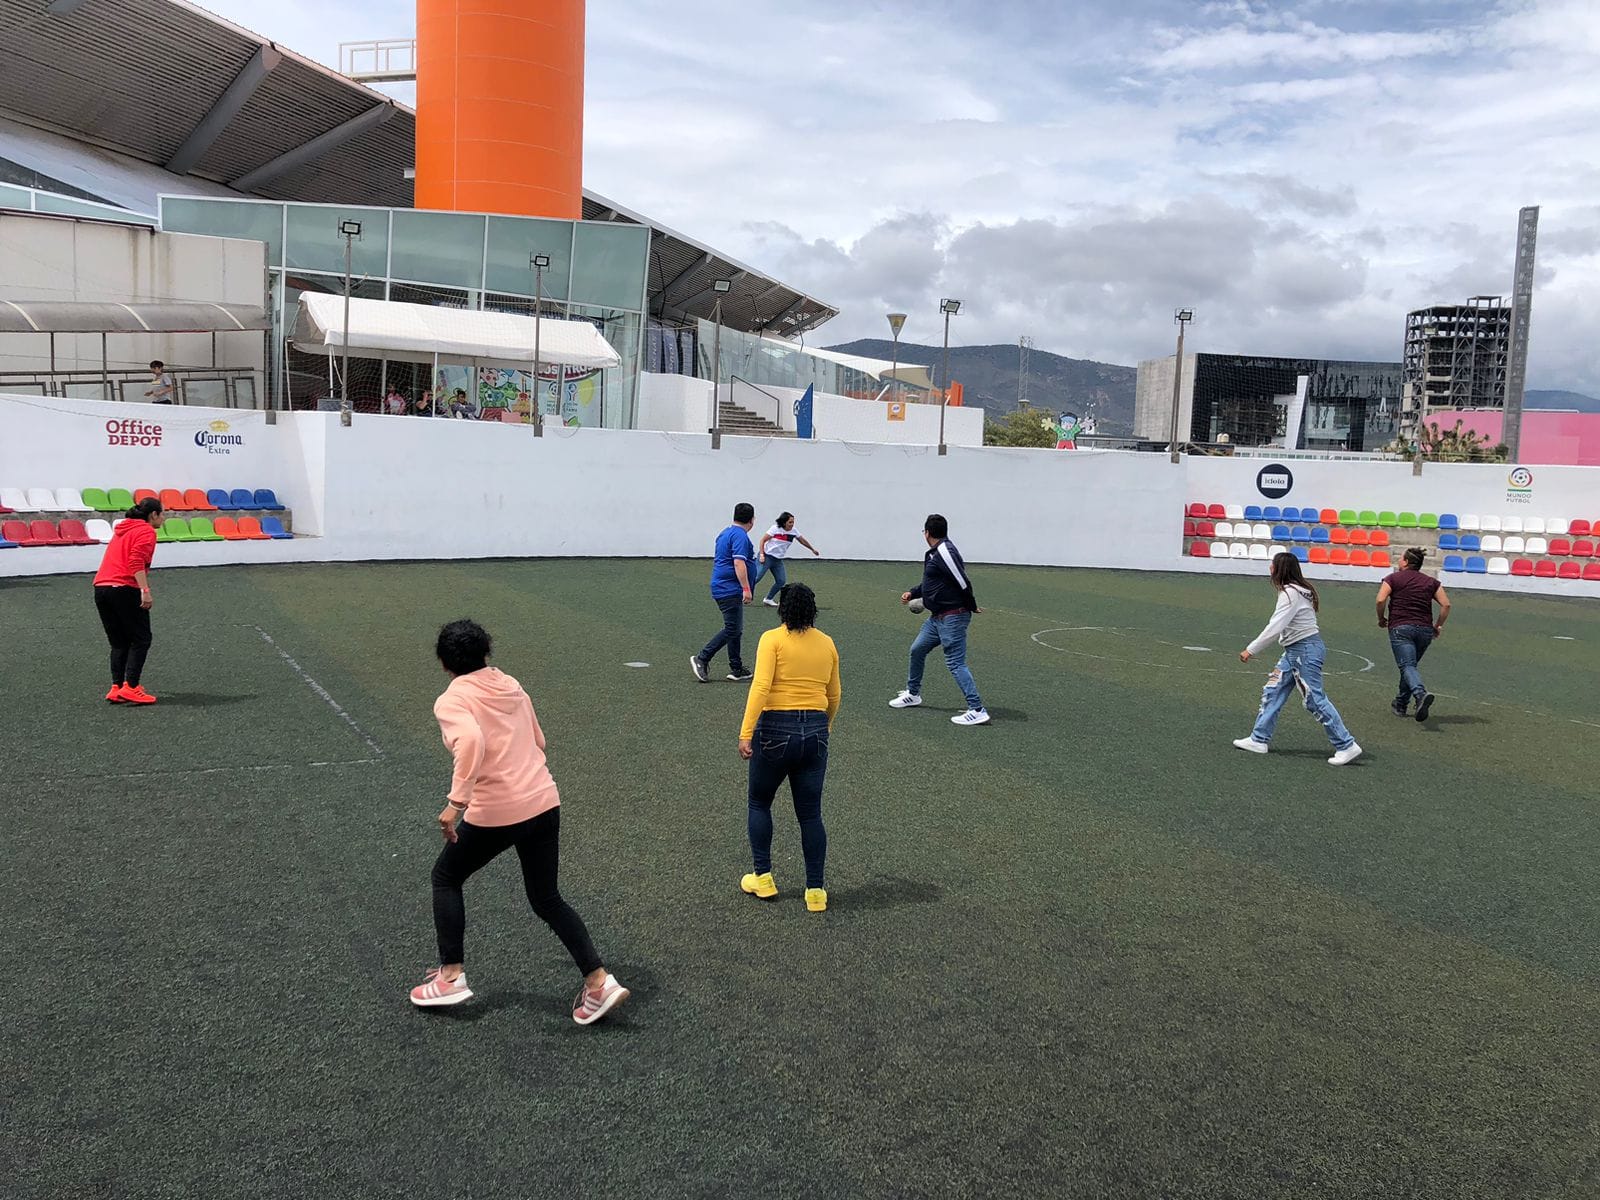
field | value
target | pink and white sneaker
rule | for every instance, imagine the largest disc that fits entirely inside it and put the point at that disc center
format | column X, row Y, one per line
column 437, row 991
column 589, row 1007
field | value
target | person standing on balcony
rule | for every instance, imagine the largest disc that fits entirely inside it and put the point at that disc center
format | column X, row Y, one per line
column 163, row 388
column 1405, row 608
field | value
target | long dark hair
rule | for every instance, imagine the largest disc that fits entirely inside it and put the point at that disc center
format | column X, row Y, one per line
column 145, row 509
column 1286, row 571
column 797, row 606
column 783, row 519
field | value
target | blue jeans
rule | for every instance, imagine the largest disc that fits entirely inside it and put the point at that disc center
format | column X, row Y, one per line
column 777, row 568
column 1409, row 643
column 950, row 632
column 1300, row 667
column 792, row 746
column 732, row 631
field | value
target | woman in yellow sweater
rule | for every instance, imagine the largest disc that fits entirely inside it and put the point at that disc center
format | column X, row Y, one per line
column 793, row 698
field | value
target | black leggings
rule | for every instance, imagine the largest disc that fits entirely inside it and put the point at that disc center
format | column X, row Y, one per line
column 537, row 841
column 127, row 629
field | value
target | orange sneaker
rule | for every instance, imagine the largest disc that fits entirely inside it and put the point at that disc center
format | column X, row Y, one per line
column 115, row 694
column 136, row 695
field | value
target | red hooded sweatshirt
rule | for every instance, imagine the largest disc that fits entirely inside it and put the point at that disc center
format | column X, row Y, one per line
column 133, row 545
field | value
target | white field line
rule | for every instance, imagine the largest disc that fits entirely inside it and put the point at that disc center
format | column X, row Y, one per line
column 321, row 691
column 344, row 762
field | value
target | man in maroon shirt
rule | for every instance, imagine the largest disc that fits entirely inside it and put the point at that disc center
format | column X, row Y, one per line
column 1405, row 608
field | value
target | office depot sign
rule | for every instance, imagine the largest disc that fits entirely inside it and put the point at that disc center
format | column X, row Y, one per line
column 132, row 433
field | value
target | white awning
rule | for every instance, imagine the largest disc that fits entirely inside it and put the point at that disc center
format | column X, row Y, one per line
column 419, row 332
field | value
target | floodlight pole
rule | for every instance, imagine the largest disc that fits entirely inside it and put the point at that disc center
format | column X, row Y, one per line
column 349, row 230
column 720, row 287
column 949, row 308
column 538, row 262
column 897, row 322
column 1183, row 316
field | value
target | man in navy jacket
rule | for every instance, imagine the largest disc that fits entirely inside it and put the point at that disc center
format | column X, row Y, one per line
column 946, row 593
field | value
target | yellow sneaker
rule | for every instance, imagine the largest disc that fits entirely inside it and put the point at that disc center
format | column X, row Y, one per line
column 759, row 886
column 816, row 899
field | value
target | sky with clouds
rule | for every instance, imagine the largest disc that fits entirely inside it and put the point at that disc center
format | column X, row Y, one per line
column 1300, row 174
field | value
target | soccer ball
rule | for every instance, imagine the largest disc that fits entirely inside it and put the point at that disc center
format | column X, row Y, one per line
column 915, row 605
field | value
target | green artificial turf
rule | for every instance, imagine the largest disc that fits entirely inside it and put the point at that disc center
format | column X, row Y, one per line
column 1088, row 950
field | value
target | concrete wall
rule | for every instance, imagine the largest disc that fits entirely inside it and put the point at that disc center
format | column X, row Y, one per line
column 1152, row 399
column 60, row 258
column 674, row 404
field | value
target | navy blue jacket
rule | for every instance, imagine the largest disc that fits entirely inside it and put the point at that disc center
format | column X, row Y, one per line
column 945, row 586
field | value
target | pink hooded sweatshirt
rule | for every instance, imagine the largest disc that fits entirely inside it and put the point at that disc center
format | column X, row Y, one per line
column 500, row 772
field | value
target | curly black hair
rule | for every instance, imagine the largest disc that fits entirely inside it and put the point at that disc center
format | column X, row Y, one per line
column 463, row 647
column 797, row 606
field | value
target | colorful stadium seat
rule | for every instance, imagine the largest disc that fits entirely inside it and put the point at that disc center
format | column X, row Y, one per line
column 1560, row 547
column 1591, row 571
column 1319, row 554
column 1471, row 543
column 1360, row 558
column 1522, row 566
column 1291, row 513
column 1380, row 537
column 217, row 498
column 1339, row 536
column 1329, row 516
column 1300, row 533
column 73, row 532
column 121, row 499
column 172, row 500
column 1360, row 537
column 1199, row 549
column 1583, row 548
column 273, row 528
column 1555, row 525
column 41, row 500
column 15, row 500
column 1280, row 533
column 242, row 498
column 1569, row 570
column 1339, row 556
column 228, row 530
column 1320, row 536
column 1197, row 509
column 44, row 533
column 1301, row 553
column 1271, row 512
column 7, row 544
column 142, row 494
column 1367, row 517
column 1387, row 519
column 1380, row 558
column 201, row 530
column 1449, row 541
column 1406, row 520
column 1205, row 529
column 1491, row 543
column 1544, row 569
column 1428, row 521
column 1579, row 528
column 1471, row 521
column 177, row 530
column 1188, row 527
column 1449, row 521
column 1538, row 546
column 194, row 500
column 164, row 533
column 17, row 533
column 97, row 500
column 71, row 500
column 1477, row 566
column 250, row 529
column 1499, row 566
column 1217, row 512
column 100, row 529
column 1234, row 512
column 1454, row 563
column 267, row 501
column 1252, row 512
column 1347, row 516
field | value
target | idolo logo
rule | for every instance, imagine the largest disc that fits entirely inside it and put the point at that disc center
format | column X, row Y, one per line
column 215, row 438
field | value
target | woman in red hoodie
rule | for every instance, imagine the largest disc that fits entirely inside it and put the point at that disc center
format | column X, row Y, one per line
column 122, row 596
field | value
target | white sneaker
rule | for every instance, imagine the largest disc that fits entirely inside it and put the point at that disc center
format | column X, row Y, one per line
column 1251, row 745
column 973, row 716
column 906, row 700
column 770, row 602
column 1348, row 754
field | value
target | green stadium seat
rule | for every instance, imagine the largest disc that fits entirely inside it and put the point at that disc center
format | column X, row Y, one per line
column 97, row 499
column 1428, row 521
column 121, row 499
column 201, row 530
column 1347, row 516
column 175, row 529
column 1388, row 519
column 1405, row 520
column 1368, row 517
column 161, row 534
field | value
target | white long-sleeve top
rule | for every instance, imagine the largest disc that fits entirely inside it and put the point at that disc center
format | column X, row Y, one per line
column 1293, row 620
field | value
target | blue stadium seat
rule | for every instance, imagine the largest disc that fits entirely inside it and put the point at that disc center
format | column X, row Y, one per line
column 1449, row 541
column 1471, row 543
column 266, row 501
column 1301, row 553
column 1319, row 535
column 1291, row 513
column 219, row 497
column 273, row 528
column 1280, row 533
column 1449, row 521
column 1272, row 513
column 1454, row 562
column 1252, row 512
column 1300, row 533
column 242, row 498
column 1477, row 566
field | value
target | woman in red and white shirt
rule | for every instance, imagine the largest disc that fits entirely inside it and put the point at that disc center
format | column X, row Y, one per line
column 122, row 597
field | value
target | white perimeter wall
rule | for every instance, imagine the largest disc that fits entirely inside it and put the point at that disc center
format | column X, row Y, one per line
column 393, row 488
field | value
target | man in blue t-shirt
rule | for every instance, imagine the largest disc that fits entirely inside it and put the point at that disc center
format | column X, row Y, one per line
column 731, row 574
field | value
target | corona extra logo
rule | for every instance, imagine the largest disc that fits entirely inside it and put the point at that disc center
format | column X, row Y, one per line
column 215, row 438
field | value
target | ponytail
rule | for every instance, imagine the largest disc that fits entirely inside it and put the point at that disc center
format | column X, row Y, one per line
column 145, row 509
column 1286, row 573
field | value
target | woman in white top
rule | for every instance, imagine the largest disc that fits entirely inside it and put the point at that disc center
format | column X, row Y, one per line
column 772, row 553
column 1294, row 625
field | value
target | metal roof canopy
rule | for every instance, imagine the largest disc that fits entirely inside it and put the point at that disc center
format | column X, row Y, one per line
column 90, row 316
column 231, row 107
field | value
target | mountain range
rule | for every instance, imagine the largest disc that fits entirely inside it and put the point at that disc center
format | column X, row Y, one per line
column 1057, row 383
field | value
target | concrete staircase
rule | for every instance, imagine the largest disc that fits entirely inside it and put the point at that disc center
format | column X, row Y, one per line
column 741, row 422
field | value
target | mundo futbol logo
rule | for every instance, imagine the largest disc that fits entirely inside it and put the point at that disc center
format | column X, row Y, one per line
column 215, row 438
column 1520, row 479
column 132, row 433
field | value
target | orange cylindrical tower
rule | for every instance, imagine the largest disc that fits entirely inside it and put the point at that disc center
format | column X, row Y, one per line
column 500, row 106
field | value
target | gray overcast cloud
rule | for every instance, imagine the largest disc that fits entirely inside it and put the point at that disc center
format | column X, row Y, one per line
column 1300, row 174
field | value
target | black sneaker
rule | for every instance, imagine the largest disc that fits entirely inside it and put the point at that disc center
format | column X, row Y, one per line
column 698, row 667
column 1399, row 710
column 742, row 674
column 1424, row 706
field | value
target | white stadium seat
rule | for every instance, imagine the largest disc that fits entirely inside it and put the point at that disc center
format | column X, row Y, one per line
column 1555, row 524
column 1258, row 551
column 14, row 499
column 70, row 500
column 1261, row 533
column 1533, row 525
column 1234, row 512
column 1499, row 566
column 1514, row 545
column 1492, row 524
column 1537, row 545
column 1239, row 550
column 1511, row 525
column 1491, row 543
column 99, row 529
column 1470, row 522
column 1219, row 549
column 42, row 499
column 1224, row 530
column 1274, row 551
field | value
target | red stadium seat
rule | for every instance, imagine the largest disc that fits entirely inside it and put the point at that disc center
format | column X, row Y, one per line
column 1521, row 566
column 1319, row 554
column 44, row 533
column 1583, row 549
column 194, row 500
column 1338, row 556
column 1197, row 509
column 72, row 531
column 1580, row 528
column 1217, row 512
column 1339, row 536
column 1544, row 569
column 1380, row 558
column 1560, row 547
column 228, row 528
column 1360, row 537
column 1360, row 558
column 1590, row 570
column 1328, row 516
column 1380, row 537
column 1196, row 549
column 1570, row 570
column 250, row 529
column 1189, row 528
column 1205, row 529
column 18, row 532
column 145, row 494
column 172, row 500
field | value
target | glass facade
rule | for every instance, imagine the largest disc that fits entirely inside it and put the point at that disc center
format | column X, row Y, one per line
column 460, row 260
column 768, row 362
column 1349, row 405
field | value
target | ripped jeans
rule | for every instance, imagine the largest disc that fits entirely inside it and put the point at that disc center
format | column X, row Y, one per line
column 1300, row 667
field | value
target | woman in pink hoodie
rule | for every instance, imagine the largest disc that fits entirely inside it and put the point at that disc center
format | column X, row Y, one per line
column 501, row 796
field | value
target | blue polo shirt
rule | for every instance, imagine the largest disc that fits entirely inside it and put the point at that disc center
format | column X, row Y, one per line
column 733, row 542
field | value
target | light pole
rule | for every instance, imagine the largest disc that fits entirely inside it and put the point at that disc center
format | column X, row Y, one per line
column 349, row 231
column 1183, row 316
column 949, row 308
column 538, row 262
column 897, row 322
column 721, row 287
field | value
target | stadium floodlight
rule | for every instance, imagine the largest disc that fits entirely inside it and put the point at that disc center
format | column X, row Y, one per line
column 949, row 308
column 1182, row 316
column 537, row 263
column 897, row 322
column 349, row 231
column 722, row 286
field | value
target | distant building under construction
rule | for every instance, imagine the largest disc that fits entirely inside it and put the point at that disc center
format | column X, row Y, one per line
column 1456, row 357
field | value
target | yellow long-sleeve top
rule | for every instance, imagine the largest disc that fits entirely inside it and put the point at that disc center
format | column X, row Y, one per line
column 794, row 671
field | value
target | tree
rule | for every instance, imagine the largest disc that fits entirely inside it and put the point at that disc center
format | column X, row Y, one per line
column 1457, row 445
column 1021, row 427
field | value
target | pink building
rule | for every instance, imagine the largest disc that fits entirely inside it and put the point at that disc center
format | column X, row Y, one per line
column 1563, row 437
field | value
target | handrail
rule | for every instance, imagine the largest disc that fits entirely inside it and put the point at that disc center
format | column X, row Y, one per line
column 777, row 401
